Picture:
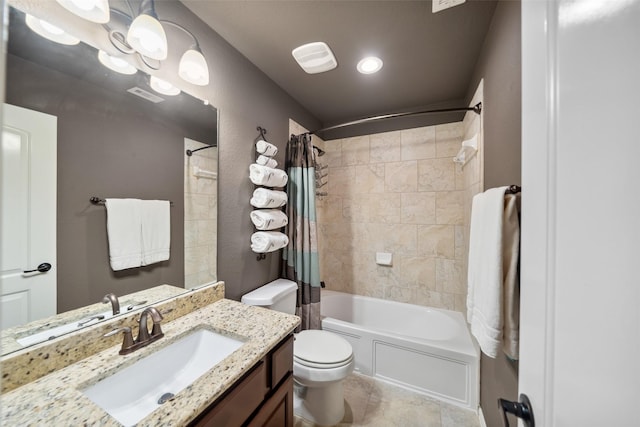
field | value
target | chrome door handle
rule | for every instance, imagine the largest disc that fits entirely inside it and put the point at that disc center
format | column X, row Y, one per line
column 521, row 409
column 42, row 268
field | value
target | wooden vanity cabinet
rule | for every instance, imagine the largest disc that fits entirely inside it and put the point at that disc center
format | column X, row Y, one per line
column 261, row 398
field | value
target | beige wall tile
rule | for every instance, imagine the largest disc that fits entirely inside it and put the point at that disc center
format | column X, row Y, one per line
column 329, row 209
column 436, row 241
column 418, row 208
column 448, row 139
column 418, row 143
column 449, row 276
column 436, row 175
column 418, row 272
column 370, row 178
column 384, row 147
column 356, row 208
column 332, row 153
column 342, row 181
column 399, row 198
column 385, row 208
column 450, row 207
column 400, row 294
column 355, row 151
column 435, row 299
column 401, row 177
column 400, row 238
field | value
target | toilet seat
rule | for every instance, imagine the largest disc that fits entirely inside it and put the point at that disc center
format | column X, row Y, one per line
column 321, row 350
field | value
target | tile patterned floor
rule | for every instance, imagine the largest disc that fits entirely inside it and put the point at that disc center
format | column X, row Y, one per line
column 374, row 403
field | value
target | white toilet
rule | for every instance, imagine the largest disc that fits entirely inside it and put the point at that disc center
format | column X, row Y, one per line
column 321, row 360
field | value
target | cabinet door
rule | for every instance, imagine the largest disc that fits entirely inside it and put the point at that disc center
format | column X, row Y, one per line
column 237, row 406
column 277, row 411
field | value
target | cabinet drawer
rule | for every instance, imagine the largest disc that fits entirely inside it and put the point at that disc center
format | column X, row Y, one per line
column 282, row 361
column 234, row 408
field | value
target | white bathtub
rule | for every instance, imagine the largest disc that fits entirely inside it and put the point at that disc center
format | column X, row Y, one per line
column 424, row 349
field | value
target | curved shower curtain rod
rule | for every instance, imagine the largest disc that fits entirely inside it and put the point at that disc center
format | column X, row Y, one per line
column 476, row 109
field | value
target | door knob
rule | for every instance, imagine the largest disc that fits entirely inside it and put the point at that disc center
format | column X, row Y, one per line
column 521, row 409
column 42, row 268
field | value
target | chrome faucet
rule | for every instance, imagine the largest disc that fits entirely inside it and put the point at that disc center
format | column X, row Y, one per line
column 156, row 331
column 113, row 299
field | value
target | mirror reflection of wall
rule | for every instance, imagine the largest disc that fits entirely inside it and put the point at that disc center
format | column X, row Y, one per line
column 111, row 143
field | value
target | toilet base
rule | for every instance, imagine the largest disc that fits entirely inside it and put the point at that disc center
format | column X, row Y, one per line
column 321, row 405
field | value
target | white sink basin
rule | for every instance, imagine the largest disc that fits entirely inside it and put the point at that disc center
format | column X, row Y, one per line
column 134, row 392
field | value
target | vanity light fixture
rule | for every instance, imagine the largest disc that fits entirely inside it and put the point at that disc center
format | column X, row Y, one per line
column 193, row 67
column 146, row 37
column 116, row 64
column 163, row 86
column 369, row 65
column 146, row 34
column 91, row 10
column 50, row 31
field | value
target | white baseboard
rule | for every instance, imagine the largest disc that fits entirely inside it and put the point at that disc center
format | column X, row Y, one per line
column 483, row 423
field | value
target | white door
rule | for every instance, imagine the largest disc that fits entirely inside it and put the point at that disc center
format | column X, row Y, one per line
column 580, row 287
column 28, row 215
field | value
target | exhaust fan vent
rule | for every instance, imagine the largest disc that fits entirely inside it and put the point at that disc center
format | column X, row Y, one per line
column 315, row 57
column 144, row 94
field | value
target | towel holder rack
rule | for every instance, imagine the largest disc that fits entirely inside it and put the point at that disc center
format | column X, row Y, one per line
column 99, row 201
column 513, row 189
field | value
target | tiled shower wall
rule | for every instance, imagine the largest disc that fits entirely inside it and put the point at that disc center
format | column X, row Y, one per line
column 200, row 216
column 398, row 192
column 395, row 192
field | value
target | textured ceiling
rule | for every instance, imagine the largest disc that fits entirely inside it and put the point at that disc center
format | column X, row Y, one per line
column 428, row 58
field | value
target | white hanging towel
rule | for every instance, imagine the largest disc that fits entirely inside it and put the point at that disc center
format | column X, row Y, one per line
column 123, row 232
column 156, row 231
column 268, row 241
column 263, row 147
column 485, row 293
column 269, row 177
column 268, row 219
column 266, row 161
column 265, row 198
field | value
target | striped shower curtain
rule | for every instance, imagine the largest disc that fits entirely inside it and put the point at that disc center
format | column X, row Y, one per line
column 300, row 258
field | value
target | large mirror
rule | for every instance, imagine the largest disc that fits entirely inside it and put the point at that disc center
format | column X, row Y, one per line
column 116, row 138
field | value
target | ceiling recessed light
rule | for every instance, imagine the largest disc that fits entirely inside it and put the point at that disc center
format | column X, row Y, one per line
column 369, row 65
column 315, row 57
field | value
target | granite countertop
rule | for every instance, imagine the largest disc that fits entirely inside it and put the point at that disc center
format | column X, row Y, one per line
column 9, row 336
column 56, row 399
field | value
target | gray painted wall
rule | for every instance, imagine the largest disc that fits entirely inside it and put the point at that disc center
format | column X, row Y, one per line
column 245, row 98
column 500, row 66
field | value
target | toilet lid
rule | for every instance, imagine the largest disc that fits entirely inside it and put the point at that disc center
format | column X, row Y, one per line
column 321, row 348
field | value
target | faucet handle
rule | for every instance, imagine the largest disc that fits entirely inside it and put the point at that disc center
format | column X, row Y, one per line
column 127, row 341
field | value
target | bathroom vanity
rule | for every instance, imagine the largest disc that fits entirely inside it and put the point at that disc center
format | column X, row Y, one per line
column 251, row 386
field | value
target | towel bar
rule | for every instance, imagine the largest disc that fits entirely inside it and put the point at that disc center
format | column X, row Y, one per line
column 98, row 201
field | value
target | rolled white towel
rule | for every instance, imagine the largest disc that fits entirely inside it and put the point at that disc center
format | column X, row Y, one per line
column 269, row 177
column 263, row 147
column 266, row 161
column 265, row 198
column 269, row 219
column 268, row 241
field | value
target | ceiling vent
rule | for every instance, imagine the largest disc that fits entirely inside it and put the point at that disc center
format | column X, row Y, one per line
column 315, row 57
column 144, row 94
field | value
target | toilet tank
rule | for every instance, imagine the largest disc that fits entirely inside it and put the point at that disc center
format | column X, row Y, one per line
column 279, row 295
